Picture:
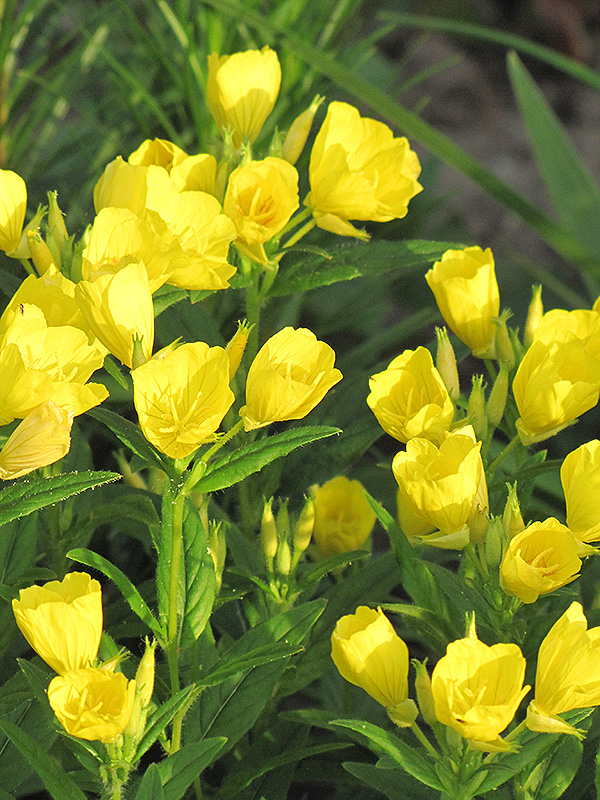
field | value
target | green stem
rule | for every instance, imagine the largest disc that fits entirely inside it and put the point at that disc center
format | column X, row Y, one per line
column 512, row 445
column 28, row 268
column 299, row 234
column 296, row 220
column 424, row 741
column 172, row 622
column 223, row 440
column 253, row 315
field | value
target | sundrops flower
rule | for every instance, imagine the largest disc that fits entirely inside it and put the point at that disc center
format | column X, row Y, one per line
column 343, row 517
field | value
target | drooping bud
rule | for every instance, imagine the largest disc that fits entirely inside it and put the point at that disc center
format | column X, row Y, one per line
column 445, row 363
column 297, row 135
column 497, row 398
column 476, row 413
column 268, row 531
column 534, row 315
column 40, row 252
column 304, row 527
column 504, row 349
column 236, row 346
column 512, row 519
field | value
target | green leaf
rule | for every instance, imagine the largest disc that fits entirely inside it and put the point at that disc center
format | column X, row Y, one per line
column 133, row 438
column 574, row 193
column 426, row 624
column 167, row 296
column 558, row 771
column 200, row 579
column 180, row 770
column 265, row 654
column 151, row 787
column 349, row 261
column 159, row 720
column 316, row 571
column 53, row 776
column 237, row 465
column 113, row 370
column 403, row 754
column 135, row 600
column 27, row 496
column 387, row 782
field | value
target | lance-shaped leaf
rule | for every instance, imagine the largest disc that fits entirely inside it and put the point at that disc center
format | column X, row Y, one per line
column 151, row 787
column 25, row 497
column 237, row 465
column 180, row 770
column 163, row 715
column 200, row 579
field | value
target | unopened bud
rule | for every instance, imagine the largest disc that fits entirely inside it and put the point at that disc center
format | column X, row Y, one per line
column 144, row 677
column 40, row 252
column 504, row 349
column 498, row 395
column 534, row 315
column 494, row 543
column 268, row 531
column 512, row 520
column 298, row 133
column 445, row 363
column 283, row 521
column 57, row 229
column 304, row 527
column 425, row 699
column 138, row 356
column 276, row 145
column 236, row 346
column 284, row 557
column 218, row 550
column 476, row 413
column 22, row 252
column 478, row 527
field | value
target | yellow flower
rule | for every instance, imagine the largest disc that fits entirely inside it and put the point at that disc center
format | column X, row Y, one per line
column 444, row 486
column 137, row 188
column 92, row 704
column 580, row 478
column 368, row 653
column 43, row 438
column 413, row 527
column 260, row 199
column 359, row 171
column 568, row 672
column 343, row 517
column 554, row 384
column 160, row 152
column 241, row 91
column 410, row 399
column 559, row 325
column 291, row 374
column 62, row 620
column 539, row 560
column 119, row 307
column 196, row 173
column 13, row 204
column 466, row 291
column 477, row 689
column 181, row 398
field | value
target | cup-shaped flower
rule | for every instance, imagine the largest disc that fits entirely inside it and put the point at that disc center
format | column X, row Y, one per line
column 196, row 173
column 291, row 374
column 160, row 152
column 181, row 398
column 62, row 620
column 136, row 187
column 359, row 171
column 560, row 325
column 13, row 204
column 445, row 486
column 555, row 383
column 539, row 560
column 568, row 672
column 580, row 478
column 241, row 91
column 42, row 438
column 466, row 291
column 93, row 704
column 118, row 307
column 343, row 517
column 477, row 689
column 410, row 398
column 261, row 197
column 369, row 653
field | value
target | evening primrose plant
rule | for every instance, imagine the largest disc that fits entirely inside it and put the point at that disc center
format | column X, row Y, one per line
column 233, row 586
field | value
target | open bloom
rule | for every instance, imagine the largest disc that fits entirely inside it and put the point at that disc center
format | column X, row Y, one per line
column 369, row 653
column 477, row 689
column 568, row 672
column 560, row 325
column 410, row 398
column 343, row 517
column 42, row 438
column 242, row 89
column 182, row 397
column 13, row 204
column 359, row 171
column 62, row 620
column 444, row 486
column 539, row 560
column 466, row 291
column 554, row 384
column 93, row 704
column 580, row 478
column 161, row 152
column 291, row 374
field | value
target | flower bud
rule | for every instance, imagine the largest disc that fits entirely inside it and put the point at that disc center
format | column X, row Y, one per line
column 304, row 527
column 424, row 694
column 497, row 399
column 445, row 363
column 494, row 542
column 343, row 517
column 56, row 222
column 297, row 135
column 478, row 527
column 512, row 521
column 476, row 412
column 534, row 315
column 218, row 550
column 504, row 349
column 268, row 531
column 284, row 557
column 236, row 346
column 40, row 252
column 144, row 676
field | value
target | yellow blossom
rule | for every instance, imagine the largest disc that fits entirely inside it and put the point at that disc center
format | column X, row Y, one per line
column 554, row 384
column 466, row 291
column 136, row 187
column 119, row 307
column 568, row 672
column 560, row 325
column 62, row 620
column 368, row 653
column 196, row 173
column 580, row 478
column 92, row 704
column 539, row 560
column 161, row 152
column 291, row 374
column 13, row 204
column 444, row 486
column 181, row 398
column 343, row 517
column 359, row 171
column 42, row 438
column 410, row 399
column 413, row 527
column 260, row 199
column 477, row 689
column 241, row 91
